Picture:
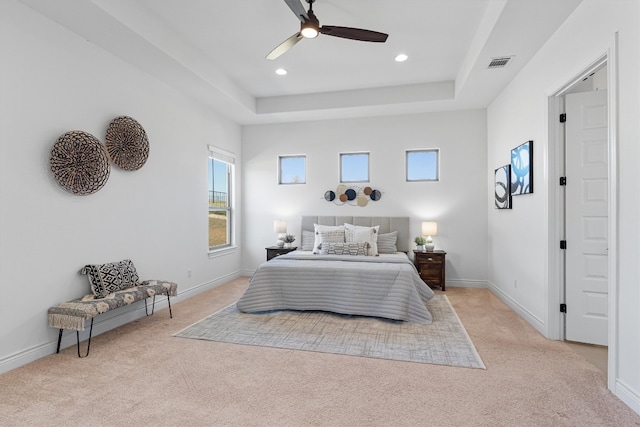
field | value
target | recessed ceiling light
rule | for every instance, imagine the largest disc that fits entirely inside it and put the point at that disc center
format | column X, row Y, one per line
column 281, row 71
column 401, row 57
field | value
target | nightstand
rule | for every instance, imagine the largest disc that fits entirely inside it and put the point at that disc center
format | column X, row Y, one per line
column 274, row 251
column 430, row 266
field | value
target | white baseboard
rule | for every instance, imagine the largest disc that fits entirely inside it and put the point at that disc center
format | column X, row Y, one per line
column 533, row 320
column 464, row 283
column 105, row 323
column 629, row 396
column 23, row 357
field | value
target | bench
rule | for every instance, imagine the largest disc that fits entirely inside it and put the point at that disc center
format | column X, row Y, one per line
column 114, row 285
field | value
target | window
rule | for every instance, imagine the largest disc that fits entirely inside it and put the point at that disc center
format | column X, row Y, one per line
column 354, row 167
column 291, row 170
column 422, row 165
column 221, row 165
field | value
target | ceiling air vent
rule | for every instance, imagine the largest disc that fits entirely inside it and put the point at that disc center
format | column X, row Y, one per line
column 499, row 62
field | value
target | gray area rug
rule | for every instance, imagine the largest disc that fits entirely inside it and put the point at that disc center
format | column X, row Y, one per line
column 444, row 342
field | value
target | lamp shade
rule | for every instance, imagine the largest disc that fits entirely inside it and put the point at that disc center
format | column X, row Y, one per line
column 429, row 228
column 279, row 226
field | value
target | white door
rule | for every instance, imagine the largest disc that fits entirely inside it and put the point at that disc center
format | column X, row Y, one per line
column 587, row 221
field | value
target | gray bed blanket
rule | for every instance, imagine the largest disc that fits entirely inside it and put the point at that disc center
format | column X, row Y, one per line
column 388, row 287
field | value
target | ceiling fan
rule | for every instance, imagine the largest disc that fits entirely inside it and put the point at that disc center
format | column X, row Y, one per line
column 310, row 28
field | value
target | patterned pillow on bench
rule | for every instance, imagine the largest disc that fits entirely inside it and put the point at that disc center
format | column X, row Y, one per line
column 108, row 278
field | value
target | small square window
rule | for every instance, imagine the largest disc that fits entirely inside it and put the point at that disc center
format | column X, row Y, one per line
column 292, row 170
column 354, row 167
column 422, row 165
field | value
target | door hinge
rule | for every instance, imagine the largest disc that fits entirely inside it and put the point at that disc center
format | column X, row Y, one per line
column 563, row 244
column 563, row 308
column 563, row 180
column 563, row 117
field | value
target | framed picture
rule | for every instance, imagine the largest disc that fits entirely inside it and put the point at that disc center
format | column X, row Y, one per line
column 502, row 187
column 522, row 169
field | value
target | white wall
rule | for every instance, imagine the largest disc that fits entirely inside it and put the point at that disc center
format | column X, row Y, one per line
column 518, row 245
column 458, row 202
column 52, row 81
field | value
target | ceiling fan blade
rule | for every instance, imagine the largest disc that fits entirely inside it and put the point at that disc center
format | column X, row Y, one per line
column 285, row 46
column 297, row 9
column 354, row 34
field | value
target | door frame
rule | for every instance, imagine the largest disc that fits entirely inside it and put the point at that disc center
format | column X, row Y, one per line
column 556, row 211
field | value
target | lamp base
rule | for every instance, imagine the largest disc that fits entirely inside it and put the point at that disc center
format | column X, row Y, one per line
column 429, row 247
column 280, row 243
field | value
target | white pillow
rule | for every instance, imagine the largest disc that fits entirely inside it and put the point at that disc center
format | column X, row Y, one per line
column 317, row 228
column 357, row 233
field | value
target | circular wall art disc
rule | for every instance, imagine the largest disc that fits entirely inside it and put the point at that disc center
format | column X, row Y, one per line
column 351, row 194
column 329, row 196
column 79, row 163
column 127, row 143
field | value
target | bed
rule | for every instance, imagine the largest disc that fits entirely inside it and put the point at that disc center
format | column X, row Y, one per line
column 386, row 285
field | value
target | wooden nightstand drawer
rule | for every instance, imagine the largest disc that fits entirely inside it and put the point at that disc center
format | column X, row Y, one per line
column 431, row 267
column 429, row 257
column 274, row 251
column 435, row 262
column 427, row 272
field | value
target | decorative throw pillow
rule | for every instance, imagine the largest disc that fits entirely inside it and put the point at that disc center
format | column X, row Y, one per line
column 317, row 229
column 357, row 233
column 331, row 236
column 387, row 243
column 307, row 240
column 108, row 278
column 361, row 248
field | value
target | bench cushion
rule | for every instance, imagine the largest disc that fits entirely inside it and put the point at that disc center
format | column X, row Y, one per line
column 111, row 277
column 71, row 314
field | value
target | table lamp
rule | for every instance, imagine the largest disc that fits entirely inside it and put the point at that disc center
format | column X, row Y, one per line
column 280, row 227
column 429, row 228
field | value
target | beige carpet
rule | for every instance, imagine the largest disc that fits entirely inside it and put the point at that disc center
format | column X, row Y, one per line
column 140, row 375
column 444, row 342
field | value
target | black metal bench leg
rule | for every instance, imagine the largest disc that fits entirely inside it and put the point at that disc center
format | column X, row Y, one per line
column 59, row 341
column 88, row 342
column 153, row 306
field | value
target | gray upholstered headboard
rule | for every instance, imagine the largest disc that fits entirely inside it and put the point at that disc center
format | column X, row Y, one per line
column 386, row 223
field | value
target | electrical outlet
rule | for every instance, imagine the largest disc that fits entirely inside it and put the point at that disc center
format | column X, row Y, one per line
column 515, row 283
column 189, row 273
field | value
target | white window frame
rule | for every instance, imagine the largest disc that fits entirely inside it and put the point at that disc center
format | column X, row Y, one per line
column 362, row 153
column 280, row 174
column 437, row 166
column 230, row 159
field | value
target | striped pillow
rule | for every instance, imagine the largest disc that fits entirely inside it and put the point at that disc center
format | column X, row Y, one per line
column 307, row 240
column 387, row 243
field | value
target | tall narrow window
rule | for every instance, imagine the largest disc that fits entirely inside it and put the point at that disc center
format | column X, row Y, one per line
column 422, row 165
column 221, row 168
column 354, row 167
column 292, row 170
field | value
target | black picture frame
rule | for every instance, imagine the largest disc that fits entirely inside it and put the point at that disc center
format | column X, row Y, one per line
column 502, row 187
column 522, row 169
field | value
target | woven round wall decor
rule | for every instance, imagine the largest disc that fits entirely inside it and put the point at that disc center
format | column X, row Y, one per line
column 79, row 163
column 127, row 143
